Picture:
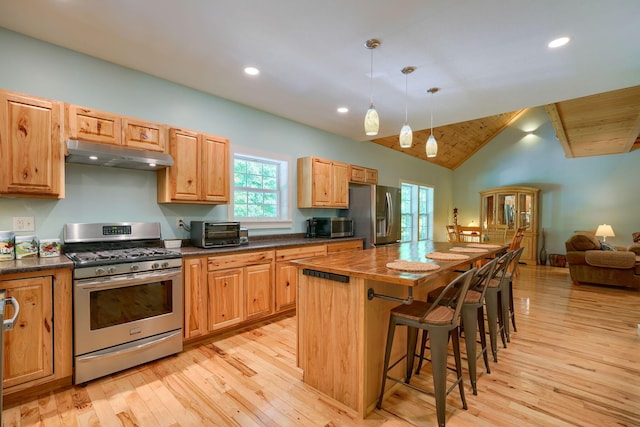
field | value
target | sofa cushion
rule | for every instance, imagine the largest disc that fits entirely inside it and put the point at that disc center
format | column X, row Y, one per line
column 584, row 242
column 635, row 248
column 636, row 237
column 610, row 259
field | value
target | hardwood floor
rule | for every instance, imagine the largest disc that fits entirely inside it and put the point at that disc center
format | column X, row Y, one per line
column 573, row 362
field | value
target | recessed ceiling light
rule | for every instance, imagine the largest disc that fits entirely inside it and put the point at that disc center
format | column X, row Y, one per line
column 560, row 41
column 252, row 71
column 93, row 157
column 343, row 110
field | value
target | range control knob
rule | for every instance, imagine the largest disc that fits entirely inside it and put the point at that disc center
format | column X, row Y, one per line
column 135, row 267
column 99, row 271
column 112, row 270
column 155, row 265
column 165, row 264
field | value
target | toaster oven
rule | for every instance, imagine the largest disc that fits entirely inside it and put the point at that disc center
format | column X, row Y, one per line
column 214, row 234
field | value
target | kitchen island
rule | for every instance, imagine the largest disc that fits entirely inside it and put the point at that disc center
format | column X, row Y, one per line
column 343, row 314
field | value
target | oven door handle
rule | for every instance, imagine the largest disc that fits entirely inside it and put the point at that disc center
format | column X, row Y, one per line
column 129, row 280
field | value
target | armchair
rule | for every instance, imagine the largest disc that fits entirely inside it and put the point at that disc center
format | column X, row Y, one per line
column 589, row 263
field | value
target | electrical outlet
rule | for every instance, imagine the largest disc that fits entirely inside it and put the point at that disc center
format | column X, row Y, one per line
column 179, row 222
column 24, row 223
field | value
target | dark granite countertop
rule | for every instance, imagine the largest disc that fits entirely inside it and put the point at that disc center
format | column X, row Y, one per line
column 264, row 242
column 34, row 264
column 255, row 243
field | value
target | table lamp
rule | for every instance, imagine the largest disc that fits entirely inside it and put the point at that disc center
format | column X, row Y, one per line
column 605, row 231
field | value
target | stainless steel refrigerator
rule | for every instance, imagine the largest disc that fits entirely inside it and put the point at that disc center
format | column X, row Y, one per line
column 375, row 210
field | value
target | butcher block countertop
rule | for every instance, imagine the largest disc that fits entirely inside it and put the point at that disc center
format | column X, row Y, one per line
column 371, row 264
column 343, row 306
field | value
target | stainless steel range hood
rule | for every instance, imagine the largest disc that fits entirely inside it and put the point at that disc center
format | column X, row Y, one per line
column 90, row 153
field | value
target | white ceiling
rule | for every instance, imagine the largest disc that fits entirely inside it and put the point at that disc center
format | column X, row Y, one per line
column 488, row 57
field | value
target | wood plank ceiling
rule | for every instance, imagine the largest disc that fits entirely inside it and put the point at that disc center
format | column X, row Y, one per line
column 606, row 123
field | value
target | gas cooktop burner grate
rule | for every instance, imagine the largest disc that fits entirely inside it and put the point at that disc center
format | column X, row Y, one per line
column 121, row 255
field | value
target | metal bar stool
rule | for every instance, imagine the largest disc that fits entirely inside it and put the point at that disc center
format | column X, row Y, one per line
column 493, row 302
column 439, row 322
column 472, row 320
column 507, row 303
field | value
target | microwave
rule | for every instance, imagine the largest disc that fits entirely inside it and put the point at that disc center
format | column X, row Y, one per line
column 330, row 227
column 214, row 234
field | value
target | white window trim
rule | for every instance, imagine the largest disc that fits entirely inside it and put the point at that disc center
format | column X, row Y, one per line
column 433, row 189
column 266, row 223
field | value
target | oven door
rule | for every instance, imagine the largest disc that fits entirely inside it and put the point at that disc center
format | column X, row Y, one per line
column 109, row 311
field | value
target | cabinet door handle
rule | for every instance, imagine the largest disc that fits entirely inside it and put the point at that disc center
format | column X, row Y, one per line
column 8, row 324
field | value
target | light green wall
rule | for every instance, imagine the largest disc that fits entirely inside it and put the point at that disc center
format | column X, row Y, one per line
column 109, row 194
column 576, row 194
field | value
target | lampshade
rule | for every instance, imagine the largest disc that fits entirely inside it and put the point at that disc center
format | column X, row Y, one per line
column 432, row 146
column 605, row 231
column 371, row 121
column 406, row 134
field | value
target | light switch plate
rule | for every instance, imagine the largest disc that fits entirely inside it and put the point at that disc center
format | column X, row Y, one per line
column 24, row 223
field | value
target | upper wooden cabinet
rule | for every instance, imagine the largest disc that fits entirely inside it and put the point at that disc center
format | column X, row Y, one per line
column 31, row 149
column 505, row 209
column 144, row 135
column 363, row 175
column 322, row 183
column 200, row 173
column 98, row 126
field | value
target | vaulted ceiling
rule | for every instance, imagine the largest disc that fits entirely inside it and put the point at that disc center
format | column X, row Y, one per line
column 606, row 123
column 490, row 59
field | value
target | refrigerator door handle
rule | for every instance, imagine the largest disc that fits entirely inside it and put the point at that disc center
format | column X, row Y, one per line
column 8, row 324
column 389, row 213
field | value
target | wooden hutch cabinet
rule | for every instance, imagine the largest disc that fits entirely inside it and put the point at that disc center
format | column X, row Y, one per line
column 505, row 209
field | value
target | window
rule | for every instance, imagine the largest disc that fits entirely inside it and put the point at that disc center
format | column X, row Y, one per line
column 417, row 212
column 260, row 191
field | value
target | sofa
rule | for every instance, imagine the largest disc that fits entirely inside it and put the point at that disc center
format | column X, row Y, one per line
column 591, row 261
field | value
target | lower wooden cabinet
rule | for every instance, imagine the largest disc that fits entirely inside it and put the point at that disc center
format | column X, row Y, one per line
column 28, row 347
column 286, row 285
column 258, row 281
column 287, row 273
column 38, row 349
column 195, row 296
column 225, row 306
column 226, row 291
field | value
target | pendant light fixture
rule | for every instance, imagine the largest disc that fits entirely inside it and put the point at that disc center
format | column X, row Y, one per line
column 432, row 144
column 371, row 119
column 406, row 134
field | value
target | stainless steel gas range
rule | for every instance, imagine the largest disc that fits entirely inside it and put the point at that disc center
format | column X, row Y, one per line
column 127, row 296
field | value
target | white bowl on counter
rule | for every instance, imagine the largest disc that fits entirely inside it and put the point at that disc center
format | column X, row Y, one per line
column 172, row 243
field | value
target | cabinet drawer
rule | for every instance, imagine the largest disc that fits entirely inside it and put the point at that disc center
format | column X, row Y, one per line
column 219, row 262
column 144, row 135
column 300, row 252
column 354, row 245
column 92, row 125
column 371, row 176
column 356, row 174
